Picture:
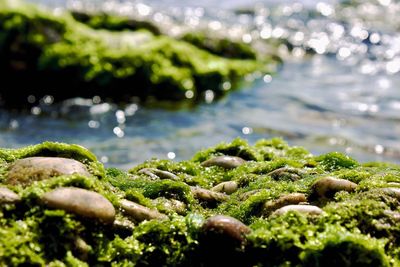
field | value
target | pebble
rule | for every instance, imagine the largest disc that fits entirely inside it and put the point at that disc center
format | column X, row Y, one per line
column 328, row 186
column 393, row 184
column 140, row 213
column 82, row 248
column 227, row 162
column 8, row 197
column 393, row 215
column 305, row 209
column 123, row 225
column 208, row 195
column 159, row 174
column 81, row 202
column 289, row 199
column 26, row 171
column 226, row 226
column 228, row 187
column 286, row 173
column 392, row 191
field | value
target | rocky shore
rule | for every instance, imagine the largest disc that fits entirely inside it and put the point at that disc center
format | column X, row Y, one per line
column 77, row 54
column 230, row 205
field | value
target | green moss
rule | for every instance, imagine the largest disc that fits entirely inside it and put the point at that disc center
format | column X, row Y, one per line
column 237, row 147
column 168, row 189
column 220, row 46
column 358, row 228
column 53, row 149
column 335, row 160
column 155, row 243
column 340, row 248
column 49, row 149
column 19, row 244
column 182, row 168
column 113, row 22
column 45, row 49
column 121, row 252
column 135, row 195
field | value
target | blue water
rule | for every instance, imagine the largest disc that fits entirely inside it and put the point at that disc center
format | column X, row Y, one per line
column 346, row 98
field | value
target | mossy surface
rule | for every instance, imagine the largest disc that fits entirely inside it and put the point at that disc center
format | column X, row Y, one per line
column 357, row 228
column 111, row 22
column 60, row 56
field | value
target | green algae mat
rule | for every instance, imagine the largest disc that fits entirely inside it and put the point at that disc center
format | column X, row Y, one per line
column 81, row 55
column 230, row 205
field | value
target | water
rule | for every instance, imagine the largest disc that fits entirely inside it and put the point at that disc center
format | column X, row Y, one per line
column 345, row 98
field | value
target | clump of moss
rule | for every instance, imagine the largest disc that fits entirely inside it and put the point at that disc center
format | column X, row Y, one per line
column 341, row 248
column 54, row 149
column 237, row 147
column 335, row 160
column 84, row 61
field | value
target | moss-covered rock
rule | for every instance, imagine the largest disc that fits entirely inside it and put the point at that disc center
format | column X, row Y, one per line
column 60, row 56
column 265, row 221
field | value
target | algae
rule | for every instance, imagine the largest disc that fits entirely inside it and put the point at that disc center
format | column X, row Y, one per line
column 60, row 56
column 357, row 228
column 101, row 20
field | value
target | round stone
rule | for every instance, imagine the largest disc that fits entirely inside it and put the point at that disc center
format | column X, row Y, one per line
column 8, row 197
column 81, row 202
column 159, row 174
column 207, row 195
column 328, row 186
column 226, row 226
column 140, row 213
column 229, row 187
column 392, row 191
column 227, row 162
column 26, row 171
column 305, row 209
column 289, row 199
column 286, row 174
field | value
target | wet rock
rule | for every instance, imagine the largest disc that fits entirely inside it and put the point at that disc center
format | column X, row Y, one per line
column 8, row 197
column 227, row 162
column 305, row 209
column 207, row 195
column 226, row 226
column 123, row 226
column 140, row 213
column 81, row 248
column 81, row 202
column 393, row 215
column 171, row 204
column 392, row 191
column 229, row 187
column 328, row 186
column 149, row 173
column 159, row 174
column 290, row 199
column 286, row 174
column 26, row 171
